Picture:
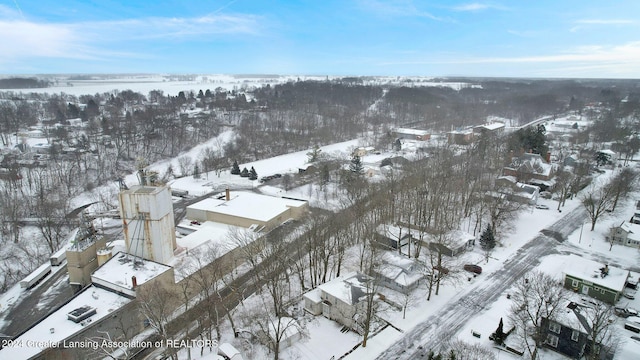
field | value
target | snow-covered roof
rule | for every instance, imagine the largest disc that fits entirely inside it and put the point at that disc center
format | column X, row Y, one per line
column 210, row 241
column 411, row 131
column 314, row 295
column 399, row 269
column 392, row 231
column 248, row 205
column 589, row 270
column 492, row 126
column 120, row 269
column 348, row 288
column 633, row 230
column 228, row 350
column 56, row 327
column 575, row 315
column 459, row 237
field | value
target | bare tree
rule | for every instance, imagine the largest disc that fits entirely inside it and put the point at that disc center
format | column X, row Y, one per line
column 461, row 350
column 157, row 304
column 564, row 181
column 501, row 209
column 185, row 164
column 535, row 296
column 275, row 330
column 601, row 332
column 597, row 200
column 623, row 183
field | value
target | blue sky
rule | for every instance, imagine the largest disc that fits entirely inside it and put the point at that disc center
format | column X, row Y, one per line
column 524, row 38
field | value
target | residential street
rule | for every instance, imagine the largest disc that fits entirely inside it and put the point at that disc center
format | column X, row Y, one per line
column 451, row 319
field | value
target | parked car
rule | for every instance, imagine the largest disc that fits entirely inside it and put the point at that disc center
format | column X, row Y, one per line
column 625, row 312
column 441, row 269
column 545, row 195
column 542, row 206
column 629, row 293
column 473, row 268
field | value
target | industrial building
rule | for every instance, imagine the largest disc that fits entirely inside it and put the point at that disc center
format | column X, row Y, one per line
column 247, row 210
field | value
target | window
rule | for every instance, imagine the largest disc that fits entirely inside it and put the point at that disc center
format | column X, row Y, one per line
column 552, row 340
column 553, row 327
column 575, row 335
column 574, row 283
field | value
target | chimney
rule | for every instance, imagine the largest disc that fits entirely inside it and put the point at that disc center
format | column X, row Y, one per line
column 228, row 194
column 134, row 282
column 548, row 157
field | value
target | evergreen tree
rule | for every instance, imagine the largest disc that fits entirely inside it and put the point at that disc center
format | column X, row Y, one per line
column 356, row 165
column 498, row 336
column 397, row 145
column 602, row 158
column 487, row 239
column 324, row 174
column 235, row 169
column 244, row 172
column 196, row 172
column 253, row 175
column 314, row 154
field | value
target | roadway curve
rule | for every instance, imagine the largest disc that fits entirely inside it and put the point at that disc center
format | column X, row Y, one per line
column 450, row 320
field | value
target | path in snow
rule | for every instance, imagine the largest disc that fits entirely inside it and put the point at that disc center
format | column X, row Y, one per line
column 445, row 324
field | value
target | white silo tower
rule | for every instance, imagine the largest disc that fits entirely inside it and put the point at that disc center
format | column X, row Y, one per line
column 147, row 220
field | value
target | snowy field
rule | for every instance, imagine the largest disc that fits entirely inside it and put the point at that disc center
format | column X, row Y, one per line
column 172, row 85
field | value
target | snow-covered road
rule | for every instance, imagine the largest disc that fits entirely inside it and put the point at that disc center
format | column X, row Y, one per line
column 445, row 324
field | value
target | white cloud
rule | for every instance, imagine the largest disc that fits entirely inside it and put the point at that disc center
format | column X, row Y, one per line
column 397, row 8
column 609, row 60
column 605, row 21
column 584, row 23
column 174, row 28
column 477, row 7
column 92, row 40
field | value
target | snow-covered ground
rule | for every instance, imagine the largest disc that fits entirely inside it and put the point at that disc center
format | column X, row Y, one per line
column 172, row 85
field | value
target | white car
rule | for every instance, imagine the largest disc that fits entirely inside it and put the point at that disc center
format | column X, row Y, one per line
column 542, row 206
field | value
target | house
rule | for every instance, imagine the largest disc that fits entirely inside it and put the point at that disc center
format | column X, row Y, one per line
column 528, row 167
column 341, row 299
column 460, row 137
column 627, row 234
column 398, row 273
column 411, row 134
column 490, row 128
column 363, row 150
column 517, row 191
column 392, row 236
column 600, row 281
column 452, row 243
column 569, row 332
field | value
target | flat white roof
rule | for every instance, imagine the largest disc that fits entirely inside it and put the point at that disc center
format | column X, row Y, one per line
column 248, row 205
column 411, row 131
column 210, row 241
column 120, row 269
column 589, row 270
column 41, row 337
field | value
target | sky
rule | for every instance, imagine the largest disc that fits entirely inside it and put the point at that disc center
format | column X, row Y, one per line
column 533, row 38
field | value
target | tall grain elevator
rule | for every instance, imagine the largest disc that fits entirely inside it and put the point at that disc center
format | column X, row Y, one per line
column 147, row 222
